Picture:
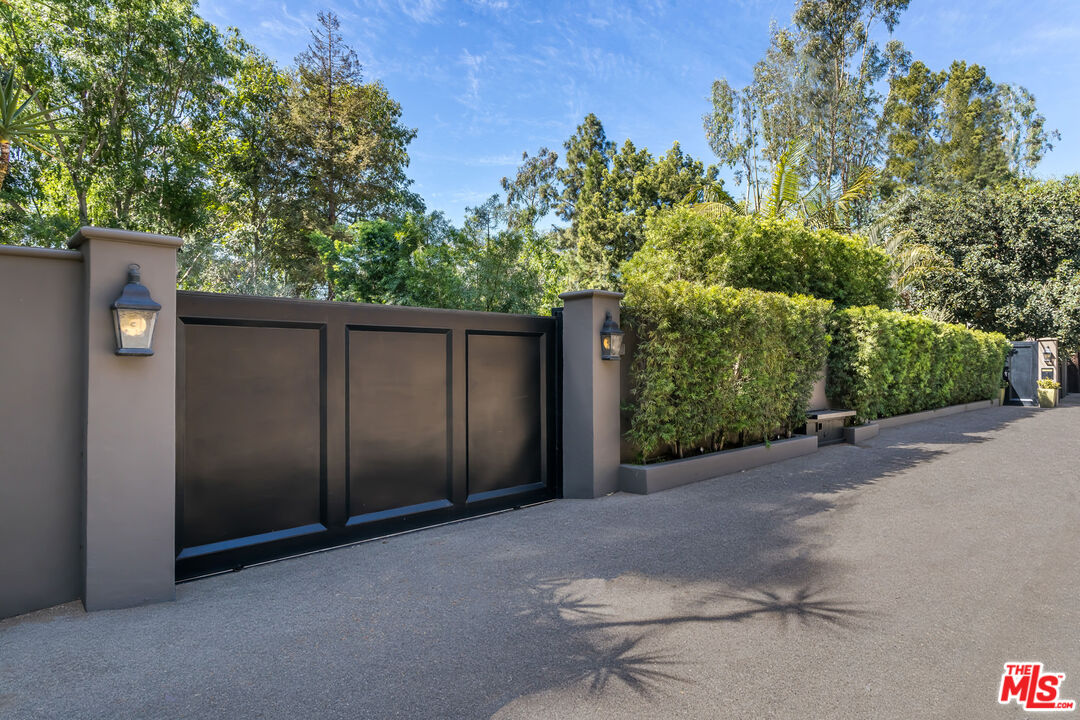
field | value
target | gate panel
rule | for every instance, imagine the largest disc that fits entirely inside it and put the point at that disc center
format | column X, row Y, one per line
column 505, row 416
column 254, row 417
column 399, row 397
column 307, row 424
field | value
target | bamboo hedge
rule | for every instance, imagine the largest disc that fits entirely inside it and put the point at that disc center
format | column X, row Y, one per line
column 731, row 343
column 718, row 365
column 884, row 363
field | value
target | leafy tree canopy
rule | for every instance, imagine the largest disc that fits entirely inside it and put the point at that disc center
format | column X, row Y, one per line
column 957, row 126
column 1011, row 253
column 607, row 194
column 140, row 80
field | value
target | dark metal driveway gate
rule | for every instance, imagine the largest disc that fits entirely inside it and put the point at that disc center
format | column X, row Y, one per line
column 305, row 424
column 1023, row 374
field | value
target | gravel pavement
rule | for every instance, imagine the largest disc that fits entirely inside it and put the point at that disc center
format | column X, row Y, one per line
column 887, row 580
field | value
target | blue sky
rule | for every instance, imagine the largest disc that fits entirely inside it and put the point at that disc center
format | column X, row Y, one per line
column 484, row 80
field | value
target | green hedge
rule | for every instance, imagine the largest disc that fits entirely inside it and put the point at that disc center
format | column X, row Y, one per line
column 716, row 363
column 884, row 363
column 763, row 253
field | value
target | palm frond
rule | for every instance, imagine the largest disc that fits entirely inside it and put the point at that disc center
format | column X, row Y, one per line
column 786, row 179
column 20, row 125
column 914, row 263
column 859, row 189
column 37, row 146
column 710, row 199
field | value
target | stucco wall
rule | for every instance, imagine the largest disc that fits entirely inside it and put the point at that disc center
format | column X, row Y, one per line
column 41, row 366
column 818, row 399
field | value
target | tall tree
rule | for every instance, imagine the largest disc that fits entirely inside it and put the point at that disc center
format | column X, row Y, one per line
column 532, row 193
column 816, row 82
column 607, row 194
column 845, row 65
column 587, row 153
column 347, row 144
column 958, row 126
column 733, row 129
column 251, row 196
column 911, row 112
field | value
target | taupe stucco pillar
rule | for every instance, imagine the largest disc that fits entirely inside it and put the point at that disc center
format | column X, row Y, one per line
column 590, row 397
column 129, row 449
column 1044, row 345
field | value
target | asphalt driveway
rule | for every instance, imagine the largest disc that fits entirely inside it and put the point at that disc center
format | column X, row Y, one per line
column 889, row 580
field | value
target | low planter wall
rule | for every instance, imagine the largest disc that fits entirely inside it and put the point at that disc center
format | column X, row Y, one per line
column 859, row 433
column 645, row 479
column 898, row 420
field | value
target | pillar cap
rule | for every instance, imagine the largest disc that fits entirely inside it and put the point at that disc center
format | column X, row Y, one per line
column 129, row 236
column 584, row 294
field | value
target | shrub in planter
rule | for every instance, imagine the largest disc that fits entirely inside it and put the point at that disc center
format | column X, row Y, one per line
column 767, row 254
column 1048, row 393
column 884, row 363
column 717, row 363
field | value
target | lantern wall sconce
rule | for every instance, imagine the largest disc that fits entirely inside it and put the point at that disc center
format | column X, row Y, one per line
column 134, row 316
column 611, row 339
column 1048, row 356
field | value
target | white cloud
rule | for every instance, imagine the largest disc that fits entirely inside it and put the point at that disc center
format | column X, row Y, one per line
column 424, row 11
column 285, row 24
column 473, row 64
column 462, row 196
column 278, row 29
column 495, row 5
column 499, row 160
column 506, row 160
column 1057, row 33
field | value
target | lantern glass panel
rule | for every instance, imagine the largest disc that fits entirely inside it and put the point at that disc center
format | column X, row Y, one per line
column 616, row 345
column 134, row 328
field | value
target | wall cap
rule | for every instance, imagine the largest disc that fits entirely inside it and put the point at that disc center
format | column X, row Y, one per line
column 129, row 236
column 584, row 294
column 41, row 252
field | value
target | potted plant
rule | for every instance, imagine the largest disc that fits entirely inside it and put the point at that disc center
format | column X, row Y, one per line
column 1048, row 390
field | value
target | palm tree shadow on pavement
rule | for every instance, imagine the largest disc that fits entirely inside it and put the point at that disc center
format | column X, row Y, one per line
column 741, row 544
column 646, row 673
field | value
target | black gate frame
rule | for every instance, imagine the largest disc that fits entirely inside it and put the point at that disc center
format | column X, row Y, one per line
column 333, row 321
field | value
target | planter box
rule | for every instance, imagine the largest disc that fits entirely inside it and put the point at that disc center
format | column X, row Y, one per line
column 859, row 433
column 1047, row 397
column 645, row 479
column 897, row 420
